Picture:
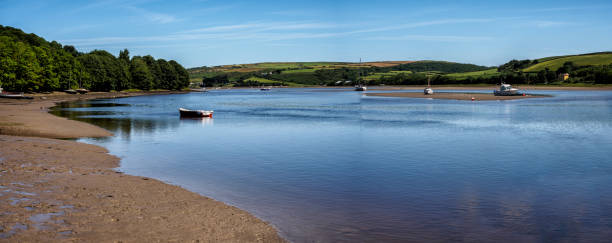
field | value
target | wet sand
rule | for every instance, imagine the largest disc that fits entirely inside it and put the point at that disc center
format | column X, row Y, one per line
column 454, row 96
column 59, row 190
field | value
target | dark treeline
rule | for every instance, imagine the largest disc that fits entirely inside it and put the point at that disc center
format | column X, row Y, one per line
column 31, row 64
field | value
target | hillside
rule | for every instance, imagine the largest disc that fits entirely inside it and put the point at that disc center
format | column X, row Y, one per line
column 554, row 63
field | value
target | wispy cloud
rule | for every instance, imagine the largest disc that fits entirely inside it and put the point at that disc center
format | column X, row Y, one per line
column 565, row 9
column 160, row 18
column 423, row 24
column 547, row 23
column 276, row 31
column 443, row 38
column 262, row 26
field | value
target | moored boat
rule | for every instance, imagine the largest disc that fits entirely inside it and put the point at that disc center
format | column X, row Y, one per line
column 360, row 87
column 428, row 90
column 195, row 113
column 15, row 96
column 70, row 91
column 82, row 91
column 506, row 90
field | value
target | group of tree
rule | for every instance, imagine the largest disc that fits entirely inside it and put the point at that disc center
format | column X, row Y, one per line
column 29, row 63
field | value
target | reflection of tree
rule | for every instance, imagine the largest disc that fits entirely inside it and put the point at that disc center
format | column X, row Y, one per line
column 120, row 126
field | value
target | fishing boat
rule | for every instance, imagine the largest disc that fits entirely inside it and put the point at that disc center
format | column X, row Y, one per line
column 428, row 90
column 195, row 113
column 506, row 90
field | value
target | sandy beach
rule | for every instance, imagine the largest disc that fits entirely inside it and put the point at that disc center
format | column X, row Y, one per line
column 60, row 190
column 454, row 96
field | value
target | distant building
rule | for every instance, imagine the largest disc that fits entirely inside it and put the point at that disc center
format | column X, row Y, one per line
column 564, row 76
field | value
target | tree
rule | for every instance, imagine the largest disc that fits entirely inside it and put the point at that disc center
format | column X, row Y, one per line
column 141, row 76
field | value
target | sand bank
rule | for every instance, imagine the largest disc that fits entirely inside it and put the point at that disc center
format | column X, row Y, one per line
column 490, row 87
column 454, row 96
column 58, row 190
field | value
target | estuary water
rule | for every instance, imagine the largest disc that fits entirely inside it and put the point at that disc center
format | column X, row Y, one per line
column 329, row 165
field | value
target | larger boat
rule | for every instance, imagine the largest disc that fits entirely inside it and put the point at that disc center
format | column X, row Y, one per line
column 506, row 90
column 195, row 113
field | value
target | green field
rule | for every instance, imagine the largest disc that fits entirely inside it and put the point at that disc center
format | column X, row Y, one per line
column 580, row 60
column 268, row 81
column 485, row 73
column 308, row 70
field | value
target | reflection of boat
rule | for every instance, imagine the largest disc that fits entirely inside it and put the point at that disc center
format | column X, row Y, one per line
column 204, row 121
column 195, row 113
column 428, row 90
column 506, row 90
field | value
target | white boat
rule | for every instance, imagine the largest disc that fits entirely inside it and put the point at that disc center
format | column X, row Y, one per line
column 428, row 90
column 360, row 88
column 506, row 90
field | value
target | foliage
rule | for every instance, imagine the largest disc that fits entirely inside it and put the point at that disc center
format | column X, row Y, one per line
column 29, row 63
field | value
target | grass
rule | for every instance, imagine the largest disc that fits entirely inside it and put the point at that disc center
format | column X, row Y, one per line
column 268, row 81
column 485, row 73
column 308, row 70
column 580, row 60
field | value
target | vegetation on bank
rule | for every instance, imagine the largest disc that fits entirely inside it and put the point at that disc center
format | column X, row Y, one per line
column 29, row 63
column 581, row 70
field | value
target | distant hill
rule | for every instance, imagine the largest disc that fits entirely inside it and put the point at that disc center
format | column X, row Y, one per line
column 554, row 63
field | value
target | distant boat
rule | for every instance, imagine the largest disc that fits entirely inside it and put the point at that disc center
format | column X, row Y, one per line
column 15, row 96
column 195, row 113
column 360, row 87
column 428, row 90
column 70, row 91
column 265, row 89
column 82, row 91
column 506, row 90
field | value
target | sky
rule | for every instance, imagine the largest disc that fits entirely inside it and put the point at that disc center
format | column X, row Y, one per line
column 207, row 33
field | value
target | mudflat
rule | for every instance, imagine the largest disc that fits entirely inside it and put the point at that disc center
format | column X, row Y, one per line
column 60, row 190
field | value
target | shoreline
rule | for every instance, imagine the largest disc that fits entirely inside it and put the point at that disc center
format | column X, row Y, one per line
column 59, row 190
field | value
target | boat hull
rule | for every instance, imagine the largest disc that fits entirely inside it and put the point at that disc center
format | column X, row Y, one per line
column 195, row 113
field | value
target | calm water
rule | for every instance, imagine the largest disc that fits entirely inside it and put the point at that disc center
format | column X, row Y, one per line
column 339, row 166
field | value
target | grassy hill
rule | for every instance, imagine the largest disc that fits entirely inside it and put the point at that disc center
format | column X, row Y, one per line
column 553, row 63
column 485, row 73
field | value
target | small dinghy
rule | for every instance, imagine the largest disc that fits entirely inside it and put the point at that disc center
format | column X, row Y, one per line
column 195, row 113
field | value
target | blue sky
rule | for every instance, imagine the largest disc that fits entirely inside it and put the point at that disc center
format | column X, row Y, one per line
column 200, row 32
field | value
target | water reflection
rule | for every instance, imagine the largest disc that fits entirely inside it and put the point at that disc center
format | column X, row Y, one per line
column 338, row 166
column 119, row 122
